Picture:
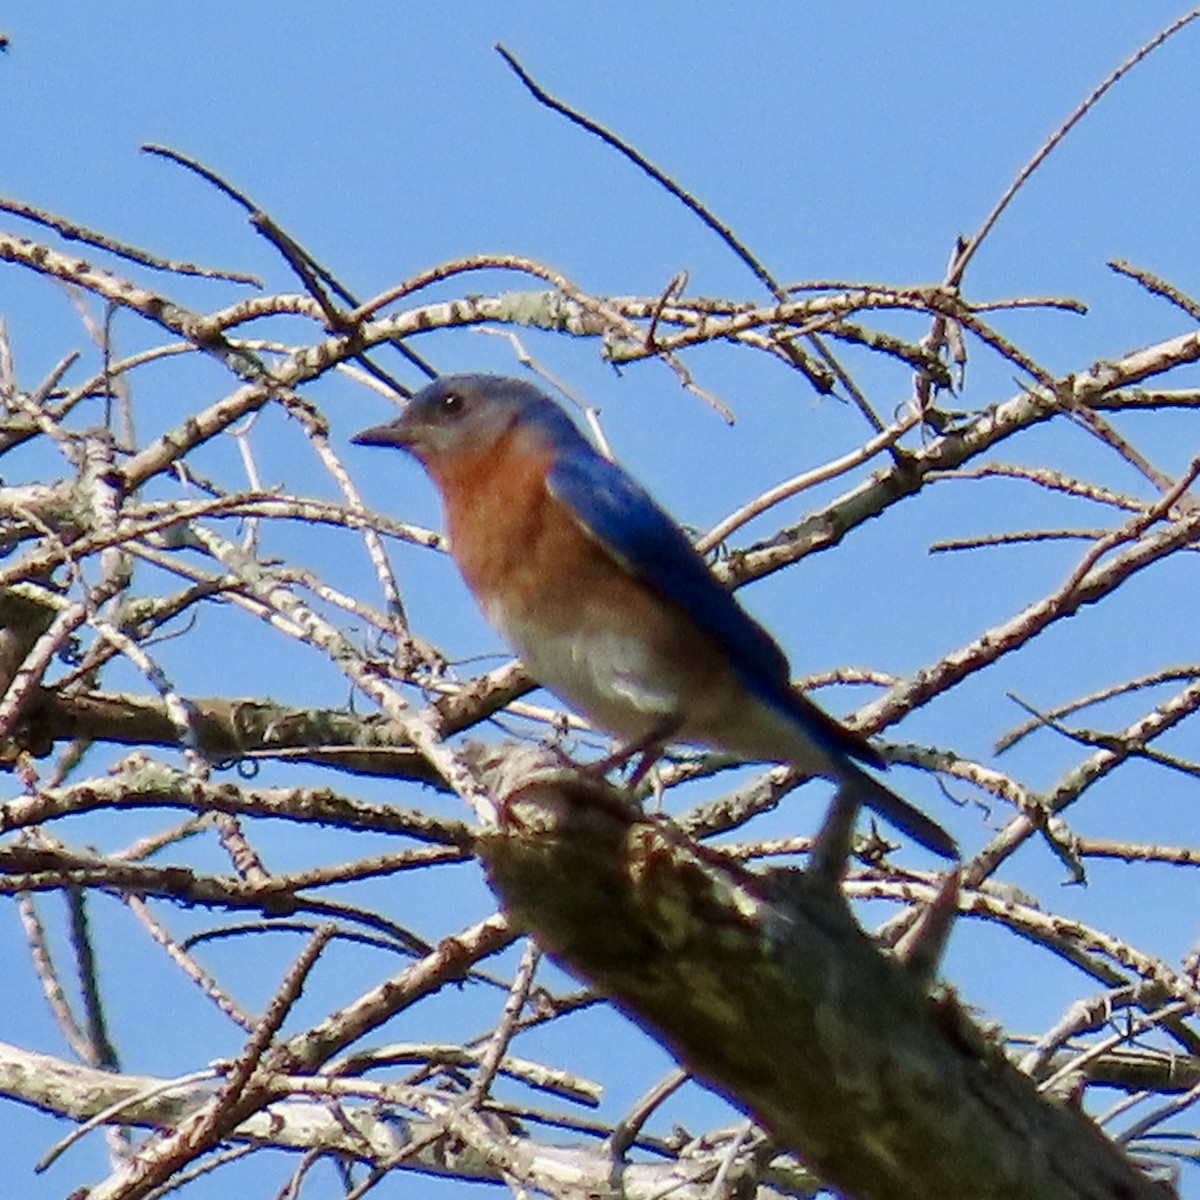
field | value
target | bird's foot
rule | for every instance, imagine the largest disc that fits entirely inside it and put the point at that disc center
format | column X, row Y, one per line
column 647, row 749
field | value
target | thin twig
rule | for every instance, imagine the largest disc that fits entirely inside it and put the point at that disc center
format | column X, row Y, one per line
column 72, row 232
column 967, row 252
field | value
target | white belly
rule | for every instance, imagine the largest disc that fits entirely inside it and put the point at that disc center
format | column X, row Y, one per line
column 630, row 686
column 608, row 676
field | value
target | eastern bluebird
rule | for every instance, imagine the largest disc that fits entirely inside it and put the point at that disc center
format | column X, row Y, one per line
column 605, row 599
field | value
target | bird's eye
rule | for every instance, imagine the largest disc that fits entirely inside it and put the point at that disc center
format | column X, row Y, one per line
column 452, row 405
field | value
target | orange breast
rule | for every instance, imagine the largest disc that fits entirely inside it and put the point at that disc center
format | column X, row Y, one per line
column 514, row 544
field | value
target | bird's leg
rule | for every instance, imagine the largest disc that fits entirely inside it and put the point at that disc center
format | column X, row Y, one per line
column 649, row 746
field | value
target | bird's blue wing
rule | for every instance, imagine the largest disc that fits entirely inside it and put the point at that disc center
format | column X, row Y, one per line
column 618, row 513
column 621, row 516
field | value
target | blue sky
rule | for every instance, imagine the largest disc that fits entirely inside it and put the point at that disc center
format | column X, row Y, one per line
column 850, row 141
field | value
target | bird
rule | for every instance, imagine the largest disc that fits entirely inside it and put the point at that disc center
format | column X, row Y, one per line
column 605, row 599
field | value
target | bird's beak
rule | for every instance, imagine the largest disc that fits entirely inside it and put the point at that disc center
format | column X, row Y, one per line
column 395, row 433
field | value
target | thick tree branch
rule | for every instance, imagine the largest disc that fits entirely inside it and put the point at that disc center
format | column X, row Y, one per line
column 769, row 992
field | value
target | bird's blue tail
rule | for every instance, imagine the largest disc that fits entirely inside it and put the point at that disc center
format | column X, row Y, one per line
column 897, row 812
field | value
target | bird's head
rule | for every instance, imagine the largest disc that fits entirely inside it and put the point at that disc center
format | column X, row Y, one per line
column 469, row 415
